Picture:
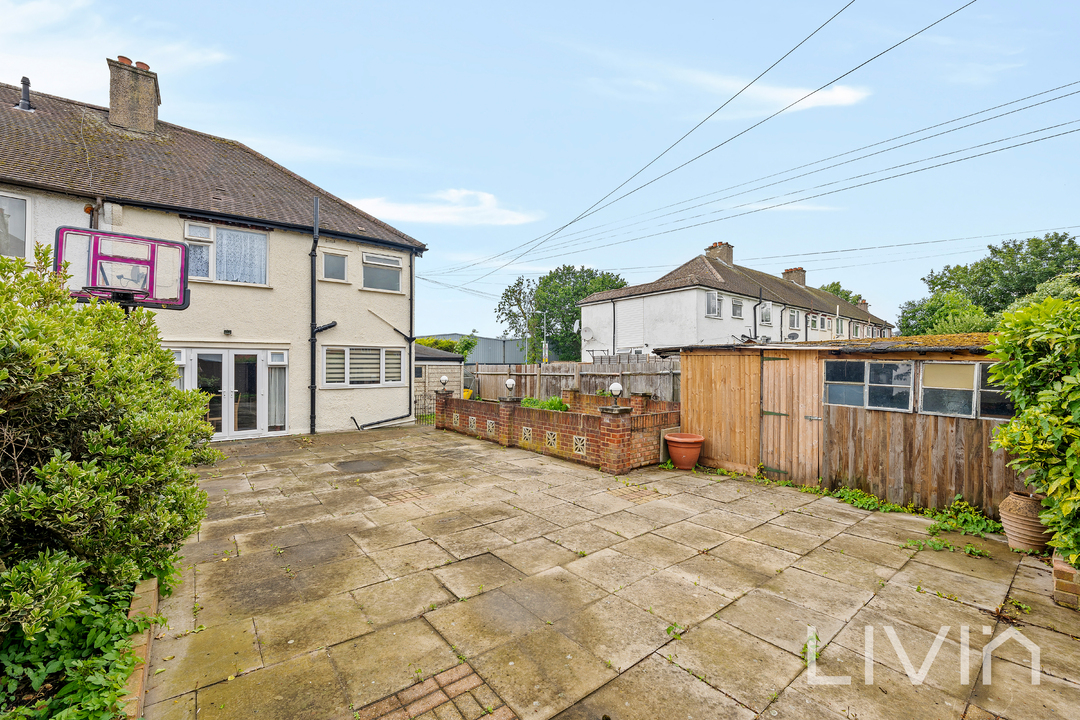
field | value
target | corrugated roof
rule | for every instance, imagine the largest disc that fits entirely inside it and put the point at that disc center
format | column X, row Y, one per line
column 975, row 343
column 711, row 273
column 70, row 147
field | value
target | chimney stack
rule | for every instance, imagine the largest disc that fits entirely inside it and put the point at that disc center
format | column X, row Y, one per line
column 864, row 306
column 134, row 95
column 721, row 251
column 796, row 275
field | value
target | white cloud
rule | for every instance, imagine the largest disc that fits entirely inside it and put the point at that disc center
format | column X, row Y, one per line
column 452, row 207
column 61, row 45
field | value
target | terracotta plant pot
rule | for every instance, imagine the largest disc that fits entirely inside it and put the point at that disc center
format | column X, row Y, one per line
column 1020, row 516
column 684, row 449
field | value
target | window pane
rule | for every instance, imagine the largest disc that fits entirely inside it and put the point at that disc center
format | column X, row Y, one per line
column 993, row 403
column 890, row 374
column 334, row 267
column 852, row 371
column 949, row 375
column 766, row 314
column 393, row 366
column 198, row 260
column 710, row 303
column 241, row 256
column 844, row 395
column 12, row 226
column 948, row 402
column 364, row 366
column 736, row 308
column 277, row 357
column 893, row 398
column 985, row 382
column 275, row 407
column 335, row 366
column 382, row 259
column 198, row 231
column 382, row 278
column 419, row 371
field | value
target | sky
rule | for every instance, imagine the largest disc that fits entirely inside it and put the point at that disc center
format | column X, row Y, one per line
column 482, row 128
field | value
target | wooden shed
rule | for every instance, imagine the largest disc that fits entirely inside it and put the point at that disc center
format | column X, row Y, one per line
column 907, row 419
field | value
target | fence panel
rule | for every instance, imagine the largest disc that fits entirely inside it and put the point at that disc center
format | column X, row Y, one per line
column 660, row 378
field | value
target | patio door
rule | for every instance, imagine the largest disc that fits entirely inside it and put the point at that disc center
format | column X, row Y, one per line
column 236, row 383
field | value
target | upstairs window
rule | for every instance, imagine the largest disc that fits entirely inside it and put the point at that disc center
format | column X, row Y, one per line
column 335, row 267
column 854, row 330
column 14, row 225
column 714, row 305
column 226, row 254
column 839, row 326
column 382, row 272
column 813, row 322
column 736, row 308
column 766, row 314
column 793, row 319
column 828, row 322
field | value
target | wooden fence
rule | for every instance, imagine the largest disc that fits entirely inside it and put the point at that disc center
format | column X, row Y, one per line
column 661, row 378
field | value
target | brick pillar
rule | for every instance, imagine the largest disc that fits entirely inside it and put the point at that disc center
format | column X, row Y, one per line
column 442, row 399
column 1066, row 583
column 570, row 397
column 505, row 428
column 637, row 402
column 615, row 439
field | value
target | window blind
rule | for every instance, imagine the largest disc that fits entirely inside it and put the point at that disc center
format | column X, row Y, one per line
column 364, row 366
column 334, row 366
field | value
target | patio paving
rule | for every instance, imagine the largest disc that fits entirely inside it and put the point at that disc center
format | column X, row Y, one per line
column 410, row 572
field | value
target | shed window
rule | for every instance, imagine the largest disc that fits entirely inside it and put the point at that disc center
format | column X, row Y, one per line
column 736, row 308
column 993, row 402
column 845, row 382
column 948, row 389
column 889, row 385
column 714, row 305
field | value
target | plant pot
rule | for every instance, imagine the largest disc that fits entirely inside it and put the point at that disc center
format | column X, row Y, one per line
column 684, row 449
column 1023, row 528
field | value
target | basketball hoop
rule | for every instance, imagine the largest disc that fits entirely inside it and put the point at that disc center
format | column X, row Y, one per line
column 126, row 299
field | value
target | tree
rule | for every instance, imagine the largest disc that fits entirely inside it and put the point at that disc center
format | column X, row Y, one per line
column 516, row 310
column 557, row 296
column 919, row 317
column 1014, row 269
column 462, row 347
column 835, row 288
column 1064, row 287
column 969, row 320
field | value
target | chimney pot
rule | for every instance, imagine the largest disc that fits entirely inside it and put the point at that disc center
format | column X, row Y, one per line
column 142, row 66
column 24, row 100
column 796, row 275
column 721, row 251
column 863, row 305
column 124, row 60
column 134, row 96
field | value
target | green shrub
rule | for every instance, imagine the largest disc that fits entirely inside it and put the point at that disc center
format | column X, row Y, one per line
column 95, row 445
column 1038, row 354
column 552, row 403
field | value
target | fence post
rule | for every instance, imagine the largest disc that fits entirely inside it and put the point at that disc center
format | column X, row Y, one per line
column 615, row 439
column 506, row 420
column 442, row 399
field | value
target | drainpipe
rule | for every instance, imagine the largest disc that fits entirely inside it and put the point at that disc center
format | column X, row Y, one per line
column 408, row 339
column 315, row 328
column 754, row 311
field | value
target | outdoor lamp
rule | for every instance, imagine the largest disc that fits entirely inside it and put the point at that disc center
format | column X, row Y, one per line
column 444, row 380
column 510, row 385
column 616, row 391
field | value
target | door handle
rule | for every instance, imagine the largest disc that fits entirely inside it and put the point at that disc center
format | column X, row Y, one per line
column 812, row 417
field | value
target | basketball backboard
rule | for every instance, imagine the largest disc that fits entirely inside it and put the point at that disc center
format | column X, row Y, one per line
column 135, row 271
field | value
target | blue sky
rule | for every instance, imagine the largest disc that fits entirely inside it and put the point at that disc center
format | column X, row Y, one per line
column 478, row 127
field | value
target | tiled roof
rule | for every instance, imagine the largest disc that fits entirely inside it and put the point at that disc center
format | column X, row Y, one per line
column 709, row 272
column 70, row 147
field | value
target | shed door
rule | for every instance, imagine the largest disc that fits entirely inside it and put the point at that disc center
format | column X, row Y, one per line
column 791, row 416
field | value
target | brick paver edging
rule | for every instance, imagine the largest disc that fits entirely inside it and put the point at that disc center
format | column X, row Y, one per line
column 456, row 693
column 143, row 602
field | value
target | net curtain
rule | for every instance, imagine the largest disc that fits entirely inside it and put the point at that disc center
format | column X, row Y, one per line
column 241, row 256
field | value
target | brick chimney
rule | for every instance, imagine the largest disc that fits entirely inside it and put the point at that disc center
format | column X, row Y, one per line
column 864, row 306
column 721, row 251
column 134, row 95
column 796, row 275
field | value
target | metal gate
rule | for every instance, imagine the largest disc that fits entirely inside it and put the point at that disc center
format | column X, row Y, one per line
column 424, row 408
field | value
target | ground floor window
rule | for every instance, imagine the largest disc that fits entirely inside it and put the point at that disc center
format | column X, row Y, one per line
column 359, row 367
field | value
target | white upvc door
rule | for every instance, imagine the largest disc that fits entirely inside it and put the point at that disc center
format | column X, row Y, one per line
column 236, row 382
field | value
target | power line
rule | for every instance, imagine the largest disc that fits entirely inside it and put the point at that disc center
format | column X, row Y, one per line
column 733, row 137
column 551, row 234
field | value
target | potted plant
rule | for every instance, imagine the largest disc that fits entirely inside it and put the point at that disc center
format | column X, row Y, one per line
column 684, row 448
column 1020, row 516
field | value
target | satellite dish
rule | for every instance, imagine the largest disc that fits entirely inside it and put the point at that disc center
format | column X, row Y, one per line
column 577, row 325
column 587, row 334
column 793, row 336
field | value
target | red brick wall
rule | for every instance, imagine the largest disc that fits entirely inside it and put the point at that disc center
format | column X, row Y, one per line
column 479, row 409
column 565, row 425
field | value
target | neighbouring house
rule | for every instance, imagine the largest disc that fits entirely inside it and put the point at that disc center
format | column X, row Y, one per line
column 907, row 419
column 248, row 225
column 710, row 300
column 432, row 365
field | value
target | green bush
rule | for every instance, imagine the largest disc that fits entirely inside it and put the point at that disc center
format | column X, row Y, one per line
column 1038, row 354
column 95, row 445
column 552, row 403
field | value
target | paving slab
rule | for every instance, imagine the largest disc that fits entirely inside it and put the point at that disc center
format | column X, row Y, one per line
column 445, row 523
column 655, row 689
column 583, row 538
column 719, row 575
column 819, row 593
column 655, row 551
column 778, row 621
column 178, row 708
column 1011, row 693
column 662, row 511
column 784, row 538
column 534, row 556
column 807, row 523
column 388, row 536
column 407, row 559
column 304, row 687
column 673, row 598
column 198, row 659
column 625, row 524
column 875, row 551
column 1046, row 613
column 610, row 569
column 336, row 577
column 726, row 522
column 616, row 631
column 483, row 622
column 964, row 586
column 735, row 662
column 754, row 555
column 542, row 673
column 564, row 514
column 926, row 610
column 523, row 527
column 892, row 528
column 477, row 575
column 693, row 535
column 401, row 598
column 554, row 593
column 477, row 541
column 312, row 625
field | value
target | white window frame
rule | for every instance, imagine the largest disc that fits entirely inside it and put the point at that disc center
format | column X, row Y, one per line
column 866, row 385
column 322, row 273
column 736, row 303
column 766, row 314
column 828, row 321
column 793, row 320
column 382, row 368
column 854, row 330
column 839, row 326
column 813, row 322
column 380, row 260
column 975, row 389
column 28, row 246
column 274, row 363
column 718, row 305
column 212, row 243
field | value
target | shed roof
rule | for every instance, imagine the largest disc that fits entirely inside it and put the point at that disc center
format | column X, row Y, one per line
column 70, row 147
column 974, row 343
column 423, row 352
column 707, row 272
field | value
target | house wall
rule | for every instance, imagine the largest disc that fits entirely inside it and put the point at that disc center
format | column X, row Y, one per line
column 48, row 211
column 277, row 316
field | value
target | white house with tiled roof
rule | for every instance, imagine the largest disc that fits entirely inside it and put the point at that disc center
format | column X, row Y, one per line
column 248, row 226
column 712, row 301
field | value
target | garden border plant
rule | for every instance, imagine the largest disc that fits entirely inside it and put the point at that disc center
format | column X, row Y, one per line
column 96, row 491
